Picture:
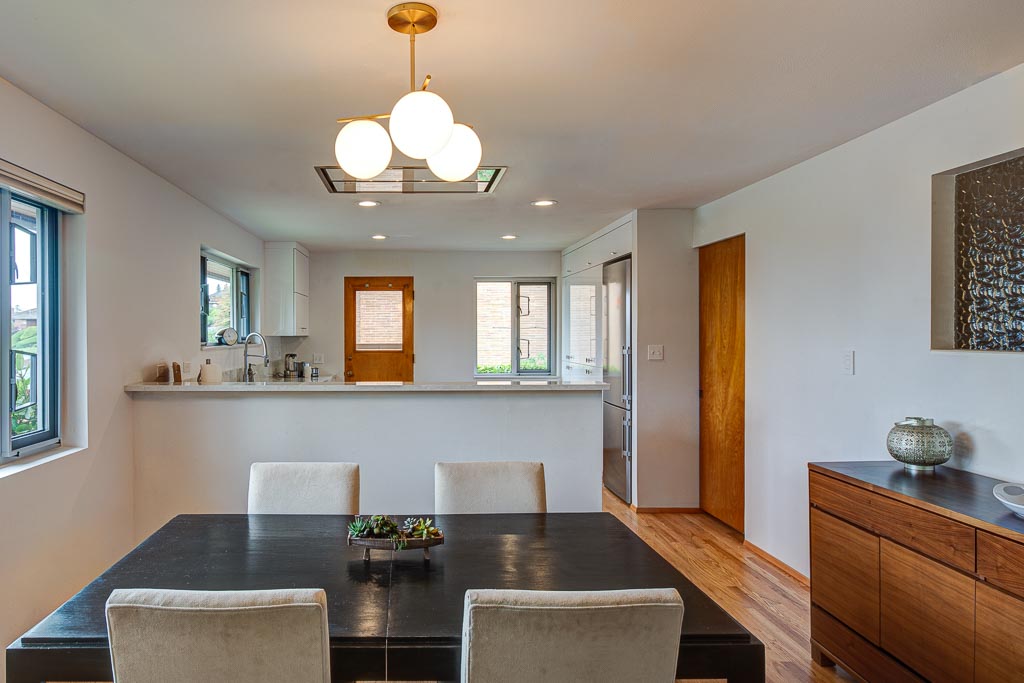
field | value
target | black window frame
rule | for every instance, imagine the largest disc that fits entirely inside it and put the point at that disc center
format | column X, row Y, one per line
column 241, row 297
column 48, row 243
column 517, row 354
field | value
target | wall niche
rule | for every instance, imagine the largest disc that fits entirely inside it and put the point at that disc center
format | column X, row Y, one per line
column 978, row 256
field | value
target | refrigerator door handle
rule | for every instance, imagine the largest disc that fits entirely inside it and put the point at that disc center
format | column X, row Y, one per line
column 627, row 357
column 625, row 437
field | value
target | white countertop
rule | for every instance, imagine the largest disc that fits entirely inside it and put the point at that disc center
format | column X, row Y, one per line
column 308, row 386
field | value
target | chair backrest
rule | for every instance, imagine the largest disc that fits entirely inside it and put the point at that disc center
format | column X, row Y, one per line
column 595, row 636
column 480, row 487
column 304, row 488
column 169, row 636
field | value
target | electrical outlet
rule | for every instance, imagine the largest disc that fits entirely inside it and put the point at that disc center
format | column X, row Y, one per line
column 849, row 366
column 655, row 352
column 318, row 358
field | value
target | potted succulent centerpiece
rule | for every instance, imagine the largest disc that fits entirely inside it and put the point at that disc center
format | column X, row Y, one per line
column 381, row 532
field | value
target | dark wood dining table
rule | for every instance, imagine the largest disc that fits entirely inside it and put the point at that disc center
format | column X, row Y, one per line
column 398, row 616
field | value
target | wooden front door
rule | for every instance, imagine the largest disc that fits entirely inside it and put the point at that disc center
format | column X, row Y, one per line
column 722, row 346
column 378, row 329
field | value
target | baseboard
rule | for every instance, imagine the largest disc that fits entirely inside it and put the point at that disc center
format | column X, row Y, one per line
column 777, row 563
column 658, row 511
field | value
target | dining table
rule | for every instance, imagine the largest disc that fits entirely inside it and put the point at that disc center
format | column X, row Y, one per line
column 398, row 615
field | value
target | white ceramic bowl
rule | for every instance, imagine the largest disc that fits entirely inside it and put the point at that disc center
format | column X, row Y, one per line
column 1012, row 496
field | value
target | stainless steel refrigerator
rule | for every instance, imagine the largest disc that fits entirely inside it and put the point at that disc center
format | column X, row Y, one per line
column 617, row 366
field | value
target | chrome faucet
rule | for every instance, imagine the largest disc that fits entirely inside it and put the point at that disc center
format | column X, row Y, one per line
column 250, row 375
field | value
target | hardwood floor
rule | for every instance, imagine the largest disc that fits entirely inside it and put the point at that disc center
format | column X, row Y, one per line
column 774, row 606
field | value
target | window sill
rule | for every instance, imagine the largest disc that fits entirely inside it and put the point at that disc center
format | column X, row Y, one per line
column 522, row 376
column 220, row 347
column 12, row 466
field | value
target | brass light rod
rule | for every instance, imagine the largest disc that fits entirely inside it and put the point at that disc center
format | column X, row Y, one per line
column 410, row 18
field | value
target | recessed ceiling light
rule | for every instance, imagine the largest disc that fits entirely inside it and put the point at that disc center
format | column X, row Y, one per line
column 378, row 237
column 508, row 237
column 544, row 202
column 368, row 203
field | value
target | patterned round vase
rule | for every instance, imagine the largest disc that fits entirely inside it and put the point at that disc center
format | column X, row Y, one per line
column 919, row 443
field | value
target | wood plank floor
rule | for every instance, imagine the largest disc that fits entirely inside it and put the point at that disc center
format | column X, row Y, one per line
column 769, row 603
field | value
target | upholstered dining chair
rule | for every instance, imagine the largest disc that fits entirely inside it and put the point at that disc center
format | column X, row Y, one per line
column 170, row 636
column 481, row 487
column 594, row 636
column 304, row 488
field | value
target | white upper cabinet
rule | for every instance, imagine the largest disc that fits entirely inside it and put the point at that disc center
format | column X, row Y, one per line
column 583, row 298
column 606, row 246
column 285, row 280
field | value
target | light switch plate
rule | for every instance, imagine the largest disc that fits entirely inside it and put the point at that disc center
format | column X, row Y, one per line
column 849, row 364
column 318, row 358
column 655, row 352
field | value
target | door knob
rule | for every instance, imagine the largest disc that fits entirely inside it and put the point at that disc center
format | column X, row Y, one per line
column 350, row 374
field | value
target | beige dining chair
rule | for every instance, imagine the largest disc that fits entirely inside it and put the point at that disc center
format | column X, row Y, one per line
column 267, row 636
column 548, row 636
column 482, row 487
column 304, row 488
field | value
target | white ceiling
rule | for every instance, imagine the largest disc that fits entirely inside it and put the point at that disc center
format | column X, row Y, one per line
column 605, row 106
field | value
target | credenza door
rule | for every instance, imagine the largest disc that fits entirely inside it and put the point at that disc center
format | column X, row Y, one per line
column 999, row 655
column 927, row 615
column 845, row 567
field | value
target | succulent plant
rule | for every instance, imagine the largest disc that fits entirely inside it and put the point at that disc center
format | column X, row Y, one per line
column 359, row 528
column 421, row 528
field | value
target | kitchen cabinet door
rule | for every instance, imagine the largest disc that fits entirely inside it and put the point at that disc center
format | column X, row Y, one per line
column 582, row 300
column 301, row 315
column 301, row 266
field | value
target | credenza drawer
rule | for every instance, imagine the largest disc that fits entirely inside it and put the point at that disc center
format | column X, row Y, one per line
column 1001, row 562
column 933, row 535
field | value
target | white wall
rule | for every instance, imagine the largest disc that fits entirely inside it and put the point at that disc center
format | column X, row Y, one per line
column 444, row 324
column 666, row 444
column 838, row 257
column 131, row 277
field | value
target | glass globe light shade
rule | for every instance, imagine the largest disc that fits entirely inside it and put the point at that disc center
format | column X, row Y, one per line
column 460, row 157
column 363, row 149
column 421, row 124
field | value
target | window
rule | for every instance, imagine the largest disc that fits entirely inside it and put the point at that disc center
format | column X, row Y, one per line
column 224, row 298
column 514, row 327
column 31, row 367
column 379, row 320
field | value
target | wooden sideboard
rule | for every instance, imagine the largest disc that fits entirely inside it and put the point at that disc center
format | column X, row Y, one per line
column 914, row 576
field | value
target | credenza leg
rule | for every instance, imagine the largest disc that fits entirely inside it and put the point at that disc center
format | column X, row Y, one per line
column 819, row 657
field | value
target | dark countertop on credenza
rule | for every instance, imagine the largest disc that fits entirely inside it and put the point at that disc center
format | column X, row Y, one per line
column 963, row 496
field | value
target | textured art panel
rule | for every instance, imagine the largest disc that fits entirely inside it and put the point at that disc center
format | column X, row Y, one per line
column 990, row 257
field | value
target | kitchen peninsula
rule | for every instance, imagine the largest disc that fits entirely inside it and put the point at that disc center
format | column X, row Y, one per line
column 194, row 443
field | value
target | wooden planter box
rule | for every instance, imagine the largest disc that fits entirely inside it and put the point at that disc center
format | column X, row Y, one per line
column 368, row 544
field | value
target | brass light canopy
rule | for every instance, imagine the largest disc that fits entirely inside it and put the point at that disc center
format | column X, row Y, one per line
column 421, row 126
column 412, row 18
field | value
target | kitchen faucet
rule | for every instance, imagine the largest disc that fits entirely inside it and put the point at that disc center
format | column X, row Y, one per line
column 250, row 375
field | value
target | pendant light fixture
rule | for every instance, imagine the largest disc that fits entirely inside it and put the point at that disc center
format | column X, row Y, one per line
column 421, row 123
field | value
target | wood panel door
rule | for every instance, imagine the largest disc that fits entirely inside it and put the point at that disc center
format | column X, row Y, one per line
column 378, row 329
column 927, row 615
column 722, row 348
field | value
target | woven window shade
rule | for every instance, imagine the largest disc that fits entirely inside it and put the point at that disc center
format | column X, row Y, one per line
column 43, row 189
